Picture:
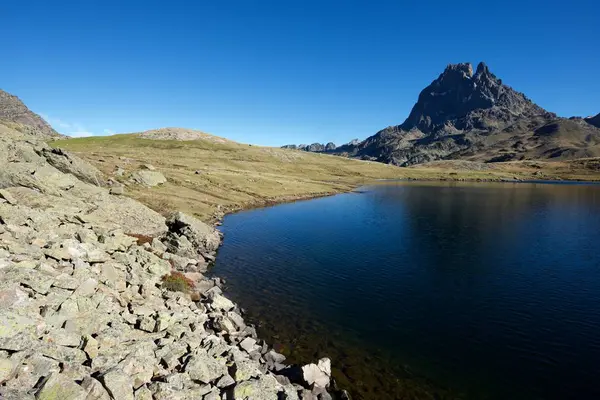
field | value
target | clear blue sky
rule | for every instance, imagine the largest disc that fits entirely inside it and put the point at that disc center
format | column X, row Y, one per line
column 277, row 72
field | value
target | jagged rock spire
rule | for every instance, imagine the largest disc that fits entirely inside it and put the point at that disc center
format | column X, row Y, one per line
column 458, row 92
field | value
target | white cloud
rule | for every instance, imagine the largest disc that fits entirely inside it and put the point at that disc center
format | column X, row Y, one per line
column 72, row 129
column 79, row 134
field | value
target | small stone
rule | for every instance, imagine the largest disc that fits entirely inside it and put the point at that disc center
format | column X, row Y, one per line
column 246, row 369
column 8, row 197
column 225, row 381
column 63, row 337
column 324, row 365
column 38, row 242
column 248, row 344
column 312, row 374
column 274, row 357
column 143, row 393
column 117, row 190
column 204, row 368
column 118, row 384
column 147, row 324
column 6, row 369
column 95, row 389
column 87, row 288
column 236, row 319
column 91, row 347
column 57, row 386
column 219, row 302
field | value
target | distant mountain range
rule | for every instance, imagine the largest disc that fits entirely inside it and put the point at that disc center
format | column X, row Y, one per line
column 475, row 116
column 13, row 110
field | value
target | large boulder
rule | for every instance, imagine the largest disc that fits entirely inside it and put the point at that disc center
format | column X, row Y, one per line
column 148, row 178
column 204, row 238
column 70, row 164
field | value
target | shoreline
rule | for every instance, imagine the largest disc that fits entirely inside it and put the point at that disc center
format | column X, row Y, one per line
column 217, row 218
column 417, row 380
column 101, row 297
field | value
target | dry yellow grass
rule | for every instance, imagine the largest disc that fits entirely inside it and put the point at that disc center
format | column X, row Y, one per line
column 208, row 177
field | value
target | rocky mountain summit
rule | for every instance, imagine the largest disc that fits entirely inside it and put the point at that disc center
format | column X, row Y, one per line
column 13, row 110
column 473, row 115
column 103, row 298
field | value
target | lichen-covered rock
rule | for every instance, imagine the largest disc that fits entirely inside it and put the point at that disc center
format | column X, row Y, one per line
column 265, row 387
column 60, row 387
column 204, row 368
column 118, row 384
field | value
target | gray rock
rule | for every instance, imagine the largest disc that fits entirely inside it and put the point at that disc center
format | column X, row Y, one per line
column 5, row 194
column 317, row 375
column 219, row 302
column 71, row 164
column 263, row 388
column 148, row 178
column 6, row 369
column 225, row 381
column 246, row 369
column 202, row 236
column 248, row 344
column 204, row 368
column 118, row 384
column 143, row 393
column 274, row 357
column 57, row 386
column 95, row 390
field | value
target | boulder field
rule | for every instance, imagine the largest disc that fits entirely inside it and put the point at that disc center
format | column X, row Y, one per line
column 102, row 298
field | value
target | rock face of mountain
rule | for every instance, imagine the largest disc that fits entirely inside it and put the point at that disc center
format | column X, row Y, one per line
column 594, row 120
column 13, row 110
column 474, row 115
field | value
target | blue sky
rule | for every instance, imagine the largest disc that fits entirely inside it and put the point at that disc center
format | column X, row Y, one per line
column 277, row 72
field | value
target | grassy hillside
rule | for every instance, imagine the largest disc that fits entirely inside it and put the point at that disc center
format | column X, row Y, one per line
column 209, row 177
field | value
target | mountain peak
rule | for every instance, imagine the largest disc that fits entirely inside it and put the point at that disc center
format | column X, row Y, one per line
column 482, row 69
column 458, row 93
column 464, row 69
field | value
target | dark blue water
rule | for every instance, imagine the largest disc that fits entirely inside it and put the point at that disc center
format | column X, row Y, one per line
column 489, row 290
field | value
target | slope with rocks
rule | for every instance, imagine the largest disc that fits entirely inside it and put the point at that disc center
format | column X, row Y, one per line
column 14, row 111
column 180, row 134
column 475, row 116
column 103, row 298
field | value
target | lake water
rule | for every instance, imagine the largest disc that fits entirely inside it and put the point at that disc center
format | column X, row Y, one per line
column 430, row 290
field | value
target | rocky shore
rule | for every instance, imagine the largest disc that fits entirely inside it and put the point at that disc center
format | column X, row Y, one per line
column 102, row 298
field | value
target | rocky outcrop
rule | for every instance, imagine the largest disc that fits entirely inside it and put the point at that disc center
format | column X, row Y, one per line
column 180, row 134
column 594, row 120
column 474, row 116
column 13, row 110
column 88, row 310
column 314, row 148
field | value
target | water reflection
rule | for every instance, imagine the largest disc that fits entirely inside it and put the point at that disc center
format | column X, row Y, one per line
column 490, row 289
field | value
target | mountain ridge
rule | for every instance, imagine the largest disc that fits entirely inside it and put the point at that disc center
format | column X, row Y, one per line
column 12, row 109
